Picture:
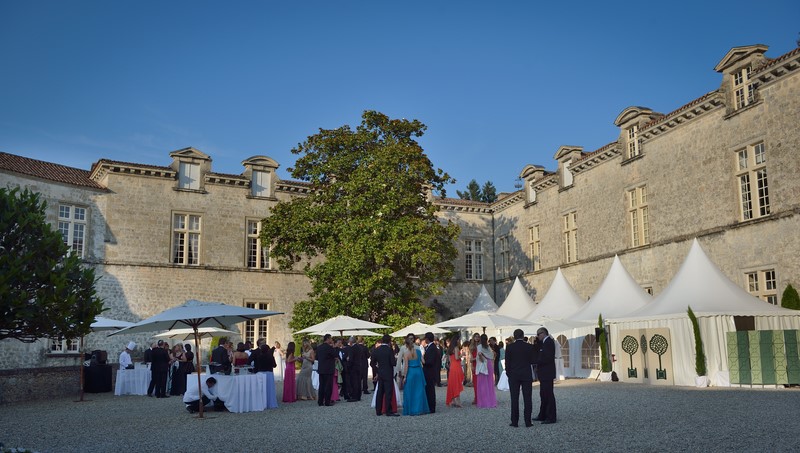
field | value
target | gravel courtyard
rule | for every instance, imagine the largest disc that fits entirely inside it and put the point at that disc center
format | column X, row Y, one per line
column 593, row 417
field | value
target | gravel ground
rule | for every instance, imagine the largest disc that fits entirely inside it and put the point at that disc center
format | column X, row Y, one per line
column 593, row 416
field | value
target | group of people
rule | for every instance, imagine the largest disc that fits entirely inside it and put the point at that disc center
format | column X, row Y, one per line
column 168, row 367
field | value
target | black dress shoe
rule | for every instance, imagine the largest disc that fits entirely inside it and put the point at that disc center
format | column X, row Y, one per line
column 528, row 425
column 393, row 414
column 548, row 422
column 513, row 425
column 330, row 404
column 538, row 419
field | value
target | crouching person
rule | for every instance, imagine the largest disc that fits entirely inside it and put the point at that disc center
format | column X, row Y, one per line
column 192, row 397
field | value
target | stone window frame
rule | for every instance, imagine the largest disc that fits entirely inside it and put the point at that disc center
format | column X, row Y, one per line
column 254, row 329
column 633, row 148
column 505, row 256
column 261, row 188
column 638, row 213
column 743, row 88
column 186, row 230
column 763, row 284
column 752, row 181
column 185, row 181
column 473, row 259
column 569, row 231
column 63, row 346
column 259, row 252
column 68, row 225
column 535, row 246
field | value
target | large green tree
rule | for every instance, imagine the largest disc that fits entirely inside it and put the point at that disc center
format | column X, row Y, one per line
column 380, row 249
column 487, row 193
column 44, row 289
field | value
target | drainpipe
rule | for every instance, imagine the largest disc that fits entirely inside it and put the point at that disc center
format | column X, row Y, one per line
column 494, row 267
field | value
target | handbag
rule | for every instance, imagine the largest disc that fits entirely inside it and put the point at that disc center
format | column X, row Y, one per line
column 502, row 383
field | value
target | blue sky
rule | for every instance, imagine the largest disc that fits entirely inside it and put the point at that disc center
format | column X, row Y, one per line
column 499, row 84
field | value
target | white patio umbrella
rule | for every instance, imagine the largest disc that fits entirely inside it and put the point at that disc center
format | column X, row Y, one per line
column 348, row 333
column 340, row 324
column 99, row 324
column 482, row 319
column 195, row 314
column 188, row 334
column 419, row 328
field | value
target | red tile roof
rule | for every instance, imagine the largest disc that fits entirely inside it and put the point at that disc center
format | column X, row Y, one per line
column 47, row 170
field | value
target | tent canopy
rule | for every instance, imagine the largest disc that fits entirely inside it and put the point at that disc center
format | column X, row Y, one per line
column 483, row 302
column 518, row 303
column 560, row 301
column 618, row 295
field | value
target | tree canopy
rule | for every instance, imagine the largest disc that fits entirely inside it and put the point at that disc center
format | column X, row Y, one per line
column 380, row 249
column 44, row 289
column 487, row 193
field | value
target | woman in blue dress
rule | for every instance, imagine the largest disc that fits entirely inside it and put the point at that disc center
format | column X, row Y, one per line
column 414, row 400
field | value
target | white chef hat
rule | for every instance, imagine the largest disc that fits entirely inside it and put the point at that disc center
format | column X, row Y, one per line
column 131, row 346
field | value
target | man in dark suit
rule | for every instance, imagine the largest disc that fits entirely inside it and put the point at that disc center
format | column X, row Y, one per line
column 383, row 360
column 326, row 357
column 353, row 368
column 220, row 357
column 546, row 372
column 148, row 358
column 343, row 353
column 159, row 369
column 432, row 364
column 520, row 358
column 364, row 365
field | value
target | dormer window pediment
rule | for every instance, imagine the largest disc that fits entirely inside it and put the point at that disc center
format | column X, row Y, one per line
column 565, row 156
column 190, row 164
column 261, row 171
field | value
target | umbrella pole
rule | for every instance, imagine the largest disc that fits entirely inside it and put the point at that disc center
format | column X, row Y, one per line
column 197, row 368
column 80, row 364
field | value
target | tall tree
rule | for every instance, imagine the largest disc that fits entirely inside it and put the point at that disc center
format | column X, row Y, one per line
column 473, row 192
column 488, row 192
column 368, row 219
column 44, row 289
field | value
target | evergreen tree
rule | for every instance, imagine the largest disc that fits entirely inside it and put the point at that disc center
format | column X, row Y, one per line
column 790, row 298
column 473, row 192
column 488, row 192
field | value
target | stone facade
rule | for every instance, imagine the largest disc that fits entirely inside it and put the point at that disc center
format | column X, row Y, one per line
column 686, row 160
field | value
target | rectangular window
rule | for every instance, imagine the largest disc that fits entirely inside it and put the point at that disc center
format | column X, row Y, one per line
column 744, row 91
column 72, row 226
column 752, row 180
column 570, row 231
column 189, row 176
column 763, row 285
column 639, row 216
column 535, row 248
column 186, row 230
column 63, row 346
column 633, row 141
column 255, row 329
column 473, row 255
column 504, row 257
column 257, row 255
column 261, row 183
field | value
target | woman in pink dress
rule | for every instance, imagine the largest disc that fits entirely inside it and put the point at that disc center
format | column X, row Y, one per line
column 484, row 374
column 289, row 387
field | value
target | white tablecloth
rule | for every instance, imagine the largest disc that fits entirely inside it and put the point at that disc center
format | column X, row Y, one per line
column 243, row 393
column 132, row 382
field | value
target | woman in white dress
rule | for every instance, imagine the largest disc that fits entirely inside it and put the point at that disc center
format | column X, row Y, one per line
column 280, row 362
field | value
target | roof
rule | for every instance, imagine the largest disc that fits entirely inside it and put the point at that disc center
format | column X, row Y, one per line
column 518, row 303
column 700, row 284
column 618, row 295
column 483, row 302
column 47, row 170
column 560, row 301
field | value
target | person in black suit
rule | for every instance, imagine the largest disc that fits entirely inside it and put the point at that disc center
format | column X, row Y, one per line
column 148, row 358
column 520, row 358
column 343, row 353
column 432, row 364
column 159, row 369
column 546, row 371
column 220, row 356
column 383, row 359
column 353, row 368
column 364, row 365
column 326, row 357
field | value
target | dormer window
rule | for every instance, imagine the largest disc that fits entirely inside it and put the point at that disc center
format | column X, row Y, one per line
column 531, row 193
column 261, row 183
column 744, row 90
column 189, row 176
column 633, row 141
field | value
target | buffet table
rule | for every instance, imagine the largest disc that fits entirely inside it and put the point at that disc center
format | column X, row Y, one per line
column 241, row 393
column 132, row 382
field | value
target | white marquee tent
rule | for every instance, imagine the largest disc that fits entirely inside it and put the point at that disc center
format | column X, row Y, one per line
column 715, row 300
column 618, row 295
column 483, row 302
column 518, row 303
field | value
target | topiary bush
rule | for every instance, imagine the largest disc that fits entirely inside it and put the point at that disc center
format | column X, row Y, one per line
column 790, row 298
column 605, row 364
column 699, row 355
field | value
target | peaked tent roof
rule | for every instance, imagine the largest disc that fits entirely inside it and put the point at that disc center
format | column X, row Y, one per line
column 518, row 303
column 560, row 301
column 700, row 284
column 483, row 302
column 618, row 295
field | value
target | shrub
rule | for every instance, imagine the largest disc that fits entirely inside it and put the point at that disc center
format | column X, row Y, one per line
column 699, row 355
column 790, row 298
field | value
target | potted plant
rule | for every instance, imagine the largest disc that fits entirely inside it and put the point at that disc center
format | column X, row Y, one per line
column 605, row 364
column 701, row 380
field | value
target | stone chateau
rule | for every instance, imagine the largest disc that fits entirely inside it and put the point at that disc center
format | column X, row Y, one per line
column 723, row 168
